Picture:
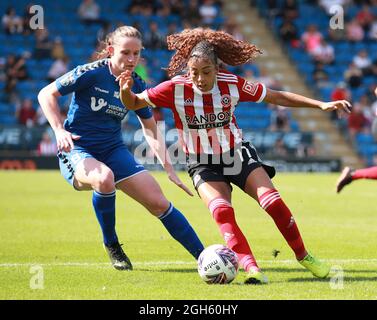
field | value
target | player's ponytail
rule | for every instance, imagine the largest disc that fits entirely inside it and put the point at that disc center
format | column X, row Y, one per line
column 210, row 44
column 112, row 38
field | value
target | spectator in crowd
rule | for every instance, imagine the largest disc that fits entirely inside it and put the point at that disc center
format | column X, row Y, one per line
column 341, row 92
column 274, row 9
column 304, row 150
column 311, row 38
column 354, row 32
column 177, row 7
column 172, row 28
column 208, row 12
column 337, row 34
column 231, row 27
column 265, row 78
column 26, row 113
column 374, row 68
column 191, row 13
column 15, row 70
column 164, row 11
column 153, row 38
column 3, row 61
column 373, row 31
column 219, row 4
column 57, row 49
column 27, row 30
column 288, row 33
column 357, row 122
column 58, row 68
column 353, row 75
column 103, row 31
column 12, row 23
column 290, row 9
column 365, row 18
column 324, row 53
column 249, row 76
column 320, row 76
column 362, row 2
column 47, row 146
column 366, row 108
column 43, row 45
column 374, row 123
column 279, row 119
column 90, row 13
column 369, row 92
column 136, row 6
column 279, row 149
column 40, row 118
column 363, row 62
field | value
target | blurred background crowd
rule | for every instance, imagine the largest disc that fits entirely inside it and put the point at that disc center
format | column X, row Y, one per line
column 336, row 63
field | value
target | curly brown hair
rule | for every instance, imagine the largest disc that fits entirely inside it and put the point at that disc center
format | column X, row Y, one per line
column 224, row 46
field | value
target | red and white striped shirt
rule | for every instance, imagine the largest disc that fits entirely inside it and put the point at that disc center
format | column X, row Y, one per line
column 205, row 120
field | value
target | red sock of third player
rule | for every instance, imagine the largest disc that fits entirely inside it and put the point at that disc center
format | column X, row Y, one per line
column 272, row 203
column 223, row 214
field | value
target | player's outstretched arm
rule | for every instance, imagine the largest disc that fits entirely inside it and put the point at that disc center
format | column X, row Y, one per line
column 48, row 100
column 289, row 99
column 157, row 143
column 130, row 100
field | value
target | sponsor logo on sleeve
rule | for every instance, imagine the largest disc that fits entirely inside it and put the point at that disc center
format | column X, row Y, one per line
column 68, row 80
column 250, row 88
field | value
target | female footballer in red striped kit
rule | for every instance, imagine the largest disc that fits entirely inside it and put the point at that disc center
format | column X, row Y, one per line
column 203, row 101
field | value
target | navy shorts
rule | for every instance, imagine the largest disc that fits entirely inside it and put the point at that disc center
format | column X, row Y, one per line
column 233, row 167
column 121, row 162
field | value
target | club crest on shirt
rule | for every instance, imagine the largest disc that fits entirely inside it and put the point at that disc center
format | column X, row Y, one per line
column 226, row 100
column 188, row 102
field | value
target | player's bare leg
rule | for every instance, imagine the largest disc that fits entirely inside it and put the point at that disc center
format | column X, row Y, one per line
column 96, row 175
column 143, row 188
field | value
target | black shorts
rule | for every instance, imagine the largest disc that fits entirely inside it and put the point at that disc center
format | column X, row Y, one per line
column 231, row 167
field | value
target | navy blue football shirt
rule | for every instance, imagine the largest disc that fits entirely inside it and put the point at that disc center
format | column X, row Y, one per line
column 96, row 112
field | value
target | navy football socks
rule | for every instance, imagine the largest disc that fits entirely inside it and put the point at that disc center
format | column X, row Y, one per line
column 104, row 206
column 181, row 230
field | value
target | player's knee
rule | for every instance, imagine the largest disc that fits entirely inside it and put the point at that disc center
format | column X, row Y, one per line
column 158, row 205
column 104, row 182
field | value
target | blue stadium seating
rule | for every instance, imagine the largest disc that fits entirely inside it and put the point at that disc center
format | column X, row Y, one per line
column 344, row 51
column 62, row 21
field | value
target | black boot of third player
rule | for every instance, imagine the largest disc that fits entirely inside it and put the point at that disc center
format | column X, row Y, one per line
column 117, row 256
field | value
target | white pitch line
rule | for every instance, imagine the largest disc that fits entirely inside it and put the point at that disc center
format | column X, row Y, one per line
column 170, row 263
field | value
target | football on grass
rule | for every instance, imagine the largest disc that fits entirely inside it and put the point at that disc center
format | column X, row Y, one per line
column 218, row 264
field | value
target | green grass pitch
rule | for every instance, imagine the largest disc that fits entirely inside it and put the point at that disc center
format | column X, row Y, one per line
column 51, row 247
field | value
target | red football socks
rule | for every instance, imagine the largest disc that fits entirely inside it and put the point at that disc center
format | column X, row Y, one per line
column 272, row 203
column 223, row 214
column 367, row 173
